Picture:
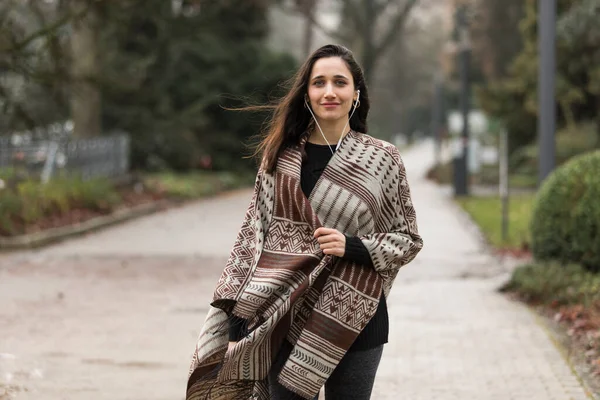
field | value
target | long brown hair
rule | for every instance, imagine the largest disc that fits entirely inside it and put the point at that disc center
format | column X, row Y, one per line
column 291, row 120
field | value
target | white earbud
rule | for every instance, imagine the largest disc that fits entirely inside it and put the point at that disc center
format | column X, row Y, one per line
column 344, row 130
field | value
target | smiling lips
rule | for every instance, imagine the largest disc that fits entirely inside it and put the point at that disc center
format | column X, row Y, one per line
column 330, row 105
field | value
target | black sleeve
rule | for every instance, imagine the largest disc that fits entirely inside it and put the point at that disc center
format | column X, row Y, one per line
column 357, row 252
column 237, row 328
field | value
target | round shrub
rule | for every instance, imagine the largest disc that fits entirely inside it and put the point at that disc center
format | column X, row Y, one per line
column 565, row 224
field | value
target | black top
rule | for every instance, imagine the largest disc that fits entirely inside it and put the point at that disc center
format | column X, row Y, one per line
column 376, row 331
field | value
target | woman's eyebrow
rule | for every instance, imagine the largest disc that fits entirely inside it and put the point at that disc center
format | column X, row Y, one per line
column 323, row 76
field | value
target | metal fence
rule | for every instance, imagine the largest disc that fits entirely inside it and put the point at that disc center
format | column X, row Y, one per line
column 54, row 151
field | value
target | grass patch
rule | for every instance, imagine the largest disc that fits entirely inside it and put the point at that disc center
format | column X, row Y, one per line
column 487, row 176
column 196, row 184
column 27, row 205
column 487, row 213
column 522, row 181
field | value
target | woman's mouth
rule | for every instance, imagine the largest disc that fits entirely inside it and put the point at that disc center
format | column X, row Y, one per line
column 330, row 105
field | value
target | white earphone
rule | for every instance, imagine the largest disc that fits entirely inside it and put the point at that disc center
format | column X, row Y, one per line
column 356, row 102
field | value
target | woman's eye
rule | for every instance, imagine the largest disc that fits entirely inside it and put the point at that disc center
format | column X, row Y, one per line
column 337, row 83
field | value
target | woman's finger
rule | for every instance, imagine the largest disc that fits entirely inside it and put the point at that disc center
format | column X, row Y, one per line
column 331, row 245
column 324, row 231
column 329, row 238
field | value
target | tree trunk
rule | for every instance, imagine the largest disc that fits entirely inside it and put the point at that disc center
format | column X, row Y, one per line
column 85, row 96
column 368, row 45
column 308, row 9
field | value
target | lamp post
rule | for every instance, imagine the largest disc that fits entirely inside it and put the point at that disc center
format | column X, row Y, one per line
column 436, row 117
column 547, row 67
column 461, row 173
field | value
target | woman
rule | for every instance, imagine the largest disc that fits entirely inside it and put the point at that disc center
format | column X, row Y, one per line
column 301, row 302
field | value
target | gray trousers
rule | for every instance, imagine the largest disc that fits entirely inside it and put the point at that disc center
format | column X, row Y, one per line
column 352, row 379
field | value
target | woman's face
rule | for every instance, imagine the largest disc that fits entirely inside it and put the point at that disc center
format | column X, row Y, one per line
column 331, row 89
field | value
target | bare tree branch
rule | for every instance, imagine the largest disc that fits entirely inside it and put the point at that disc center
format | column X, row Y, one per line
column 19, row 111
column 354, row 11
column 397, row 24
column 380, row 7
column 314, row 21
column 44, row 31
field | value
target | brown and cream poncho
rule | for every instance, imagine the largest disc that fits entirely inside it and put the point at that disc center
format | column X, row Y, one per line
column 279, row 280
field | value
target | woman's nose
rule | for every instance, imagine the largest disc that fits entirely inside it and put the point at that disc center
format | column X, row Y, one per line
column 329, row 90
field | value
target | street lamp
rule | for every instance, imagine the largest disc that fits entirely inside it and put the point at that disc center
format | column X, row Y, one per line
column 461, row 174
column 546, row 70
column 437, row 112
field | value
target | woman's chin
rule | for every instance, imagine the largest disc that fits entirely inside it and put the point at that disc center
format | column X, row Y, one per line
column 330, row 116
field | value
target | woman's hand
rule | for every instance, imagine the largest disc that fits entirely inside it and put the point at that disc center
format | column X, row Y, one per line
column 230, row 346
column 331, row 241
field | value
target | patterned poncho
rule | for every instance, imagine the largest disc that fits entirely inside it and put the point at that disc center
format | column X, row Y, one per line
column 279, row 280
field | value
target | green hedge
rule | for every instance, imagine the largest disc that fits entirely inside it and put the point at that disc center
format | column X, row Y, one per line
column 557, row 283
column 565, row 224
column 570, row 142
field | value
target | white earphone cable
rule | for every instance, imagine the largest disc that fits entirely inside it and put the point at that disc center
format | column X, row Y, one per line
column 343, row 130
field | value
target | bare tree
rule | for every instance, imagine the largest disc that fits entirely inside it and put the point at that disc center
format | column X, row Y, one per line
column 33, row 63
column 85, row 93
column 495, row 34
column 369, row 27
column 34, row 57
column 403, row 88
column 307, row 9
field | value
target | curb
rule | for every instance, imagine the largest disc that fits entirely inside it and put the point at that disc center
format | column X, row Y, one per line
column 562, row 342
column 38, row 239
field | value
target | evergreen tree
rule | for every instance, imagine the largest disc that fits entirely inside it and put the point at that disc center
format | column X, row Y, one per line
column 170, row 75
column 515, row 99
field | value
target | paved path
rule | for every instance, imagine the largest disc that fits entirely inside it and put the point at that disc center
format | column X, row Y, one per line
column 114, row 315
column 452, row 335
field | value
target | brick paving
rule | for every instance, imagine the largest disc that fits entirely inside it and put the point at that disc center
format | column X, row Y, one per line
column 452, row 335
